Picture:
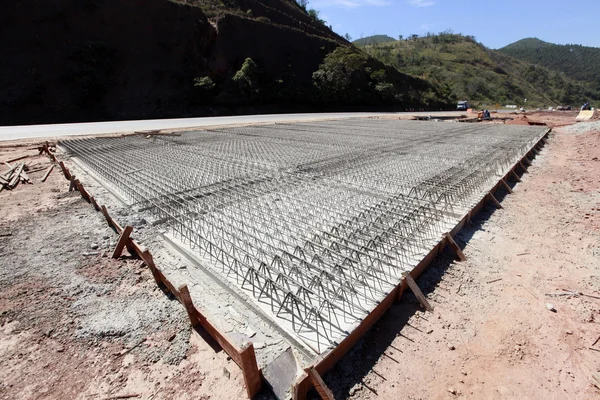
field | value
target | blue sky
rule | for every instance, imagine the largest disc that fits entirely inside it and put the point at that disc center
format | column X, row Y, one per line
column 495, row 24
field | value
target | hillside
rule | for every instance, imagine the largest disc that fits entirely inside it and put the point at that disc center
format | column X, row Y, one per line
column 375, row 39
column 576, row 61
column 84, row 60
column 468, row 70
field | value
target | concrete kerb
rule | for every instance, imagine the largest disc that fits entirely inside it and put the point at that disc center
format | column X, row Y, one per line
column 327, row 361
column 245, row 357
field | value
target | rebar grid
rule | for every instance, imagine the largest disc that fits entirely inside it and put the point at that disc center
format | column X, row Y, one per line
column 317, row 221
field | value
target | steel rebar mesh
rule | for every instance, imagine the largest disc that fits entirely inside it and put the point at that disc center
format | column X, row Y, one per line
column 317, row 221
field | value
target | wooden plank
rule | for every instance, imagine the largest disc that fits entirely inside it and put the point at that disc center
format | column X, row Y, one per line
column 31, row 171
column 300, row 388
column 318, row 383
column 186, row 300
column 523, row 167
column 450, row 241
column 250, row 370
column 508, row 188
column 106, row 216
column 50, row 168
column 72, row 186
column 146, row 256
column 94, row 203
column 122, row 241
column 494, row 200
column 65, row 171
column 19, row 158
column 81, row 188
column 111, row 222
column 15, row 180
column 24, row 176
column 417, row 292
column 514, row 175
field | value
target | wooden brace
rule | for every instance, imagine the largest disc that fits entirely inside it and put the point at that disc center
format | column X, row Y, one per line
column 186, row 299
column 319, row 384
column 450, row 242
column 514, row 174
column 417, row 292
column 494, row 200
column 123, row 241
column 506, row 186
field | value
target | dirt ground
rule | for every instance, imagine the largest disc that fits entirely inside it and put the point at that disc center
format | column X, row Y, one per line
column 76, row 324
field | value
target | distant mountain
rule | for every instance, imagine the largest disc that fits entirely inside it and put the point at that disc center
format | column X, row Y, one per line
column 375, row 39
column 468, row 70
column 576, row 61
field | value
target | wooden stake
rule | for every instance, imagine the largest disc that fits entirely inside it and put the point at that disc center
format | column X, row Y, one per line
column 149, row 261
column 186, row 299
column 494, row 200
column 65, row 171
column 300, row 387
column 18, row 158
column 105, row 213
column 506, row 185
column 514, row 174
column 122, row 241
column 454, row 246
column 417, row 292
column 50, row 168
column 94, row 203
column 72, row 186
column 250, row 370
column 82, row 191
column 522, row 166
column 317, row 381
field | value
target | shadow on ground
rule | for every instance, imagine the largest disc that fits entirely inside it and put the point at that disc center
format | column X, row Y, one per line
column 351, row 372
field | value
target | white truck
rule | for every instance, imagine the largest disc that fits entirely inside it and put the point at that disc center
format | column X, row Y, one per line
column 463, row 106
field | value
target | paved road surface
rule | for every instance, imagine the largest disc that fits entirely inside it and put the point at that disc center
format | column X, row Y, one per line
column 94, row 128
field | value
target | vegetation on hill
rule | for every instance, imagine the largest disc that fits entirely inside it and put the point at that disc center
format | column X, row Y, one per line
column 111, row 59
column 375, row 39
column 576, row 61
column 349, row 76
column 466, row 70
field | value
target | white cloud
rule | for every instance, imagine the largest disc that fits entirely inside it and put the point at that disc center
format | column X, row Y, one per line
column 421, row 3
column 318, row 4
column 378, row 3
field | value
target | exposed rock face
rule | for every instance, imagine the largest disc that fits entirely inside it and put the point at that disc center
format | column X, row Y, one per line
column 86, row 60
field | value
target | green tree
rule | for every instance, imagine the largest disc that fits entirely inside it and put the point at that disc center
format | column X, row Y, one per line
column 205, row 88
column 314, row 14
column 246, row 78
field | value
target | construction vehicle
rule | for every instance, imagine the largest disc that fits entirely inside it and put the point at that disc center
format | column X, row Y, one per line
column 463, row 106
